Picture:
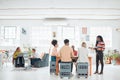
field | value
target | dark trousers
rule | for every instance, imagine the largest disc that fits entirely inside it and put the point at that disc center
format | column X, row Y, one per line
column 71, row 64
column 19, row 62
column 99, row 57
column 33, row 60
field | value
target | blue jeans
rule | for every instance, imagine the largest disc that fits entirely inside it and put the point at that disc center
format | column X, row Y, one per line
column 53, row 58
column 33, row 60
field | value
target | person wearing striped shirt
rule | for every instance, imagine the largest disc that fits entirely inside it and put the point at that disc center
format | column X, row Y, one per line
column 99, row 48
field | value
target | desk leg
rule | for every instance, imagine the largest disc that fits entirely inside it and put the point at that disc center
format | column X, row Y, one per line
column 90, row 67
column 57, row 67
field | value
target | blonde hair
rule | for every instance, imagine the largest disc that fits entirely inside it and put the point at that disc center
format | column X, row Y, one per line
column 83, row 43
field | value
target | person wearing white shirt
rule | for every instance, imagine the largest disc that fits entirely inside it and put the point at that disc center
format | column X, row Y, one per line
column 36, row 57
column 82, row 53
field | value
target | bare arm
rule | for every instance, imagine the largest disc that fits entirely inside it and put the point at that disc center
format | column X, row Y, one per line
column 72, row 53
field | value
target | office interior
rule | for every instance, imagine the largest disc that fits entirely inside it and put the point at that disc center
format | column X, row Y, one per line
column 34, row 24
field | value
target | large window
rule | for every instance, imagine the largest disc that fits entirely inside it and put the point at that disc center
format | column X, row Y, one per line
column 68, row 32
column 106, row 32
column 9, row 36
column 41, row 37
column 10, row 32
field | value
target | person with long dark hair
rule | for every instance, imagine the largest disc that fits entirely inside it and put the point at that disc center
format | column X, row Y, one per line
column 99, row 48
column 16, row 53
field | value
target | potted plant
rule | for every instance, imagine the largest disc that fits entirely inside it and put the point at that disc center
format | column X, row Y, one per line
column 114, row 57
column 107, row 59
column 118, row 59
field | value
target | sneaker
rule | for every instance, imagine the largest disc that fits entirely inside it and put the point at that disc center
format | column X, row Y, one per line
column 96, row 72
column 100, row 73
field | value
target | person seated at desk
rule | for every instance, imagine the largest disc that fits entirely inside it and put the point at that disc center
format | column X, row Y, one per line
column 36, row 57
column 16, row 53
column 74, row 51
column 82, row 53
column 75, row 54
column 66, row 53
column 54, row 52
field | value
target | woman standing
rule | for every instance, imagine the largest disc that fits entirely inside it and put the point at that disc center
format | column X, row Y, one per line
column 99, row 48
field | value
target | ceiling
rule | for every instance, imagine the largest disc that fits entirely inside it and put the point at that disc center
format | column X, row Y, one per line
column 68, row 9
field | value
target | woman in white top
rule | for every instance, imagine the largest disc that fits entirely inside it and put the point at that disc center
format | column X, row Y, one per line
column 82, row 53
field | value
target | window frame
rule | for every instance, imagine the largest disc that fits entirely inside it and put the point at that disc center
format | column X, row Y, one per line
column 9, row 35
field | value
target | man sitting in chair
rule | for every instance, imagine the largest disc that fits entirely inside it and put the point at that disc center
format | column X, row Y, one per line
column 36, row 57
column 66, row 53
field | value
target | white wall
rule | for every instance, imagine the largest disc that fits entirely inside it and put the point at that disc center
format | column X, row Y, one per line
column 26, row 24
column 116, row 39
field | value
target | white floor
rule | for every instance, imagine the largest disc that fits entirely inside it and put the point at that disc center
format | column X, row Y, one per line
column 8, row 72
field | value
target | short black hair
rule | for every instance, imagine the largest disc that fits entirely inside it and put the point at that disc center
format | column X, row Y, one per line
column 34, row 50
column 66, row 41
column 54, row 42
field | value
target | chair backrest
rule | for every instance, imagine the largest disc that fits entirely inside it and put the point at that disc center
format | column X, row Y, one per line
column 45, row 57
column 26, row 55
column 65, row 67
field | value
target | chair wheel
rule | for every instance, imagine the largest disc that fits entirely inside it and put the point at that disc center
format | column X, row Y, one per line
column 61, row 77
column 68, row 77
column 86, row 77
